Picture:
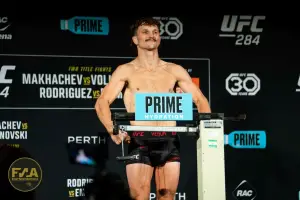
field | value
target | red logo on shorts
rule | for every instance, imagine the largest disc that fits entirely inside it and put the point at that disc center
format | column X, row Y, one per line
column 138, row 134
column 161, row 134
column 158, row 134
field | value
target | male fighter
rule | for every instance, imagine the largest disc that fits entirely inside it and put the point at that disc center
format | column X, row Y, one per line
column 148, row 73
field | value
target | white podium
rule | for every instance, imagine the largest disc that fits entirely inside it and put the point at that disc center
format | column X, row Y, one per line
column 211, row 160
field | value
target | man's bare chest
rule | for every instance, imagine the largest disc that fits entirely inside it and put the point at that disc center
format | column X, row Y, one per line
column 160, row 81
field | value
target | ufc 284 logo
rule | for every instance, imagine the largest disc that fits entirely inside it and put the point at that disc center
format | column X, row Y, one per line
column 242, row 84
column 235, row 26
column 4, row 80
column 171, row 28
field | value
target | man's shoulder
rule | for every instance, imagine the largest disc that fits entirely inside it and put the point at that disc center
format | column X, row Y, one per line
column 125, row 67
column 171, row 67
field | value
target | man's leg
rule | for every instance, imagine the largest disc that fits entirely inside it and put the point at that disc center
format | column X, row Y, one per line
column 139, row 180
column 167, row 178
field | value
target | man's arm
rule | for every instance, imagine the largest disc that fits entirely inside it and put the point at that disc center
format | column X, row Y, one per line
column 109, row 94
column 186, row 84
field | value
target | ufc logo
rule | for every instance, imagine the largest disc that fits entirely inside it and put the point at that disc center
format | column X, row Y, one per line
column 138, row 133
column 237, row 23
column 3, row 72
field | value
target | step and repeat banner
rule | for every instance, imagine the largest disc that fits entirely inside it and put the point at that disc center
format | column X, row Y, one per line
column 52, row 73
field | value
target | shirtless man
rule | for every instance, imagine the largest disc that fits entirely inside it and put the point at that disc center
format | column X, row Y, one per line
column 148, row 73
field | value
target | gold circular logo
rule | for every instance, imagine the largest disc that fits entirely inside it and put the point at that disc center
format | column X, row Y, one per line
column 25, row 174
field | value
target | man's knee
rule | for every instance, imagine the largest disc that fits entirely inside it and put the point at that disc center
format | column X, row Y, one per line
column 140, row 193
column 166, row 194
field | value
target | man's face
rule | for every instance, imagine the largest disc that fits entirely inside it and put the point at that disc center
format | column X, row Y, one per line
column 148, row 37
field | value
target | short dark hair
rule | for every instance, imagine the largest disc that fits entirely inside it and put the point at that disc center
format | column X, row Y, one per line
column 143, row 21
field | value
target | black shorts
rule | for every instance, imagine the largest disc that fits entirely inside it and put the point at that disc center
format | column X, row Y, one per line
column 155, row 152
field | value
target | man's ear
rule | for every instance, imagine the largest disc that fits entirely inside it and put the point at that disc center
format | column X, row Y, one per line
column 134, row 39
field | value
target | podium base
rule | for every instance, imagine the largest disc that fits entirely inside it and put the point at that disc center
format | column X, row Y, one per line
column 210, row 160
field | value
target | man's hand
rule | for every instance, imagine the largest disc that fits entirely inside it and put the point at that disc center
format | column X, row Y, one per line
column 109, row 94
column 118, row 138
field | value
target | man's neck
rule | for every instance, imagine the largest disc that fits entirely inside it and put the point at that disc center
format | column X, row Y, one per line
column 148, row 59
